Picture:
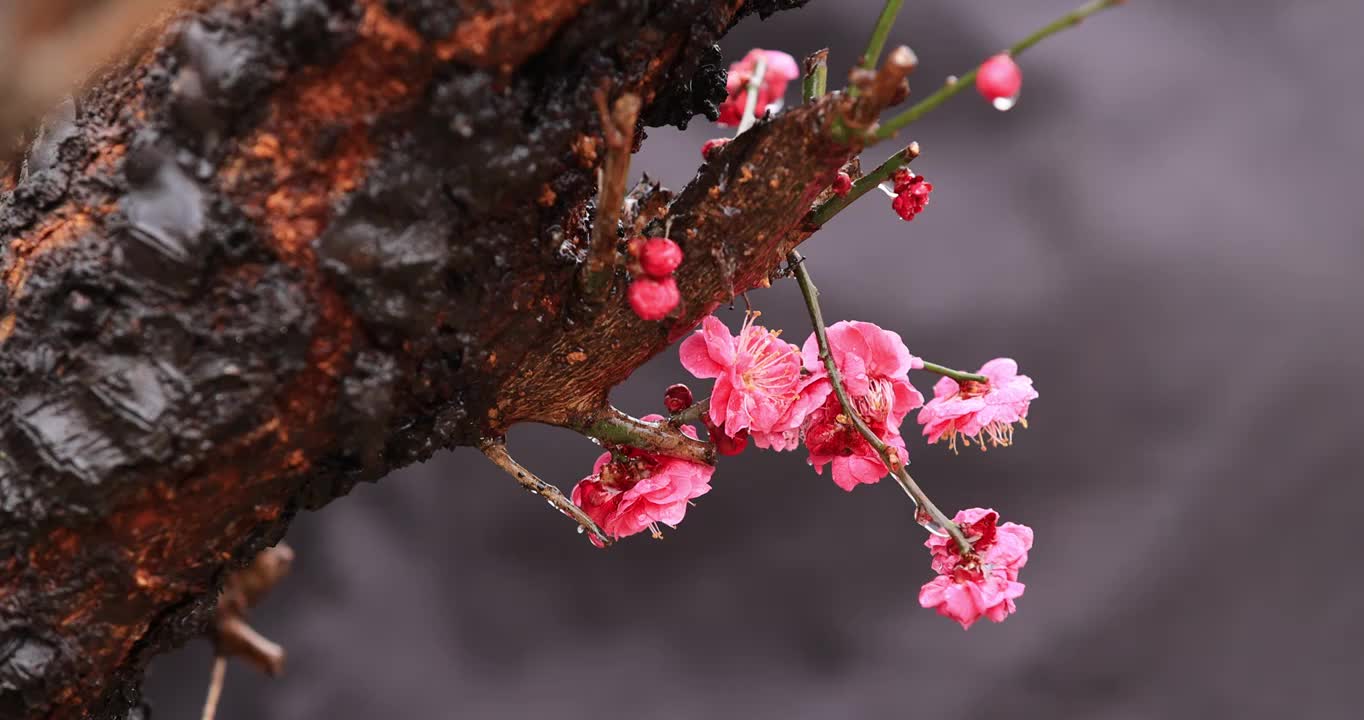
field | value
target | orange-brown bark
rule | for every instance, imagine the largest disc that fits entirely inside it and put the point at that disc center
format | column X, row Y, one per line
column 298, row 243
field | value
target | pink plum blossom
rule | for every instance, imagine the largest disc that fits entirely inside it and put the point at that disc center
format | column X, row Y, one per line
column 633, row 489
column 831, row 438
column 781, row 69
column 873, row 364
column 983, row 411
column 759, row 386
column 985, row 583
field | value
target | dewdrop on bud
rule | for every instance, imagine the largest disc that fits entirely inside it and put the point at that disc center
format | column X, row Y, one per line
column 999, row 81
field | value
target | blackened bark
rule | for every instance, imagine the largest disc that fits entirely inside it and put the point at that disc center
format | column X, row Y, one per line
column 299, row 243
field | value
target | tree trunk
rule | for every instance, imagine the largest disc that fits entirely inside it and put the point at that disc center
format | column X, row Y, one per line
column 295, row 244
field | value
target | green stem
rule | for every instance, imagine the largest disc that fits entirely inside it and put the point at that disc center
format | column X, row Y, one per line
column 831, row 207
column 930, row 103
column 751, row 102
column 879, row 33
column 613, row 427
column 957, row 375
column 690, row 414
column 888, row 456
column 816, row 79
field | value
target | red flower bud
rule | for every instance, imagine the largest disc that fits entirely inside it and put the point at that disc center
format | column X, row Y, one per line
column 999, row 80
column 724, row 444
column 653, row 298
column 677, row 398
column 911, row 193
column 659, row 257
column 842, row 184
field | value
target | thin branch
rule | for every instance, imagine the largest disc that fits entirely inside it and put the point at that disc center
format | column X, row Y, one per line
column 879, row 33
column 689, row 414
column 875, row 92
column 215, row 686
column 496, row 450
column 816, row 80
column 956, row 85
column 958, row 375
column 834, row 205
column 618, row 129
column 888, row 457
column 613, row 427
column 755, row 84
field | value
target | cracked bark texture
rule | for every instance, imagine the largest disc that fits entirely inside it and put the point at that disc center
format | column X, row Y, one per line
column 295, row 244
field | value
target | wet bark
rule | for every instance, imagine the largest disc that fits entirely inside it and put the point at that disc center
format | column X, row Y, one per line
column 295, row 244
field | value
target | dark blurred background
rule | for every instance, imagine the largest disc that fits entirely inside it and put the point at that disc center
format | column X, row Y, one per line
column 1166, row 233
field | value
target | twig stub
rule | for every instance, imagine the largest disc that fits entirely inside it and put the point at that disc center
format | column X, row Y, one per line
column 496, row 450
column 618, row 131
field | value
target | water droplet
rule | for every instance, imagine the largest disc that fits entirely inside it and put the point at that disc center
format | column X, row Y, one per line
column 927, row 522
column 1004, row 104
column 581, row 529
column 934, row 529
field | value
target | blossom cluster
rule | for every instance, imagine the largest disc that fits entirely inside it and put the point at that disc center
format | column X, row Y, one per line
column 983, row 583
column 782, row 397
column 911, row 194
column 632, row 490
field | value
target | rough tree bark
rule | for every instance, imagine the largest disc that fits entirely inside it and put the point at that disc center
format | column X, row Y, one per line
column 296, row 244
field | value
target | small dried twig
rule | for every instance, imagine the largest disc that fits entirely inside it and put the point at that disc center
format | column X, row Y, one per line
column 232, row 635
column 237, row 638
column 496, row 450
column 888, row 457
column 618, row 129
column 215, row 687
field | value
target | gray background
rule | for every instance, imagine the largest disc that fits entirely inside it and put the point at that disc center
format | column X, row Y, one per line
column 1165, row 233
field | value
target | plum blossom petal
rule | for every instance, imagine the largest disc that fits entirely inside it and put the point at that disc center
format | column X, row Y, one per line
column 873, row 364
column 759, row 385
column 781, row 69
column 984, row 584
column 633, row 490
column 983, row 411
